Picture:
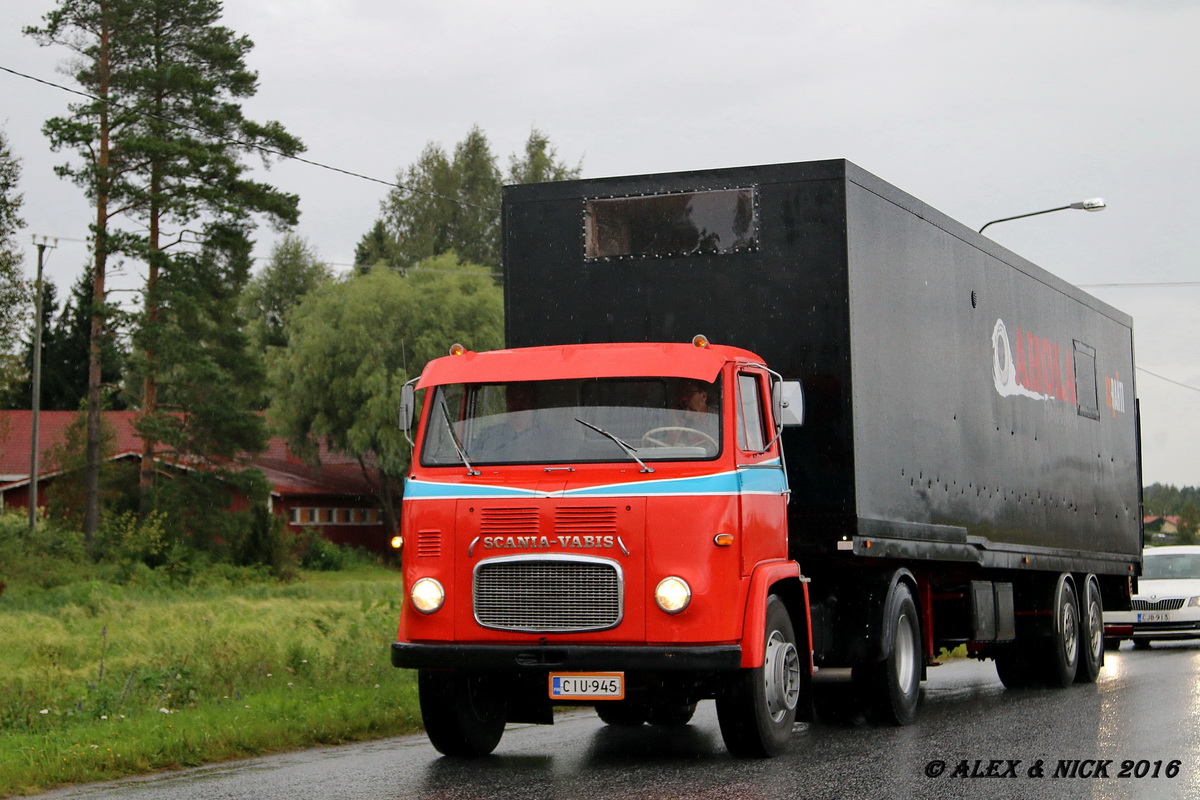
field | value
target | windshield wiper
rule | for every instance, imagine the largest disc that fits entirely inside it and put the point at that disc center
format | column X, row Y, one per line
column 629, row 451
column 462, row 454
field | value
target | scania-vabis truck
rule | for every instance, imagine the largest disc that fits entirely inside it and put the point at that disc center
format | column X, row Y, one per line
column 894, row 436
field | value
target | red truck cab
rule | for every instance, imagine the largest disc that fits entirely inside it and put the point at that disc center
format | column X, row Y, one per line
column 601, row 524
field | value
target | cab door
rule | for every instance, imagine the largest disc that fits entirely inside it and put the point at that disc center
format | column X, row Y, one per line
column 762, row 485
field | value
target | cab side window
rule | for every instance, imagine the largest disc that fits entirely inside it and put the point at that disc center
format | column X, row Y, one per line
column 751, row 431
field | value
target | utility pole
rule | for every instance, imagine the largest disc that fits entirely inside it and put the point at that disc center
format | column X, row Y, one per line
column 36, row 399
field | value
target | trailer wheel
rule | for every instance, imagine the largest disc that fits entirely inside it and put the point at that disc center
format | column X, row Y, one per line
column 463, row 712
column 1063, row 660
column 1091, row 633
column 758, row 707
column 892, row 687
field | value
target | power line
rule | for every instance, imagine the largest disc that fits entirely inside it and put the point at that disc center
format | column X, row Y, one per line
column 250, row 145
column 1168, row 380
column 1142, row 285
column 456, row 201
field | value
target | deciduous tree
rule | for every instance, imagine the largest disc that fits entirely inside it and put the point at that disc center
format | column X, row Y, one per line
column 293, row 270
column 14, row 291
column 353, row 344
column 453, row 203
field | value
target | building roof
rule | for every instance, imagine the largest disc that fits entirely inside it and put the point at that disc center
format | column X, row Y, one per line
column 287, row 473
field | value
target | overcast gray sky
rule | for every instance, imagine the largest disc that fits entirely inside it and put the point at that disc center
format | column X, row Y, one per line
column 981, row 108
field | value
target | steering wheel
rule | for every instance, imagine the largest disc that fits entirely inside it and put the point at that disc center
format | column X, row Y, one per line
column 649, row 435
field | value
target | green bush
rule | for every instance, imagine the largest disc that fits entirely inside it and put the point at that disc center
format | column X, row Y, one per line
column 265, row 542
column 318, row 553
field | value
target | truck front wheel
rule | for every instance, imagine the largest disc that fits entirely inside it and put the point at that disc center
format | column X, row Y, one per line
column 758, row 707
column 463, row 711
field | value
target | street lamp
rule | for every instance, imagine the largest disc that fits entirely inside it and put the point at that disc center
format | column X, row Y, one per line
column 1094, row 204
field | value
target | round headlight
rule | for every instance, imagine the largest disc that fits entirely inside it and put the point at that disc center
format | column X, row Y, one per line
column 672, row 594
column 427, row 595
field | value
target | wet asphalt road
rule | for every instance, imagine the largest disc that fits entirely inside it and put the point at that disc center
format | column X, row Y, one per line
column 1144, row 709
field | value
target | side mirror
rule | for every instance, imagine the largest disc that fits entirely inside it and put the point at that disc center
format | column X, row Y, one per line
column 789, row 403
column 408, row 395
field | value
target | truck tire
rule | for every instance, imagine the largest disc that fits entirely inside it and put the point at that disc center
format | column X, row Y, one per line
column 1091, row 633
column 757, row 709
column 892, row 687
column 627, row 713
column 632, row 713
column 1062, row 661
column 837, row 703
column 1016, row 665
column 671, row 715
column 463, row 711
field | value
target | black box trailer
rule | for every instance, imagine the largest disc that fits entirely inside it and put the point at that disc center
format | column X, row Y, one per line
column 962, row 404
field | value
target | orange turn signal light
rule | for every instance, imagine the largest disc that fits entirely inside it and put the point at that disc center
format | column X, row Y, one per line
column 397, row 542
column 723, row 540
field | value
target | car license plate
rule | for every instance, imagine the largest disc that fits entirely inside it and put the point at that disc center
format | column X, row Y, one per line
column 1154, row 616
column 587, row 685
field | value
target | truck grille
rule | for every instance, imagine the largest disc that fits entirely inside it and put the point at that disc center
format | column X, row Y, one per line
column 1167, row 604
column 549, row 594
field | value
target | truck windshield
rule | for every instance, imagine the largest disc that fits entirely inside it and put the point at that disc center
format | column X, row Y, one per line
column 534, row 422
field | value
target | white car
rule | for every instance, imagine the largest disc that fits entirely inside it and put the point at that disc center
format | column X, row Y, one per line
column 1167, row 604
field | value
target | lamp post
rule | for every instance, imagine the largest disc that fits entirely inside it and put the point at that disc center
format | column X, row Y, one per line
column 1094, row 204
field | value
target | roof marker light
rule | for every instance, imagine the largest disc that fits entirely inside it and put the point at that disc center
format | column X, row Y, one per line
column 457, row 349
column 700, row 340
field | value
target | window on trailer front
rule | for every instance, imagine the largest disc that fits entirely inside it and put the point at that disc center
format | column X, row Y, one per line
column 677, row 224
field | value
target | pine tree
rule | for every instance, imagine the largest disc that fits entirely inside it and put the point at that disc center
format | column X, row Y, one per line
column 95, row 30
column 162, row 145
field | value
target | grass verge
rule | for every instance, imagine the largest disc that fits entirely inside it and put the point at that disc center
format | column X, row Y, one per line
column 103, row 680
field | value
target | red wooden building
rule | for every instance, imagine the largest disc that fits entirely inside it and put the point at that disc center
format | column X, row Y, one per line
column 334, row 498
